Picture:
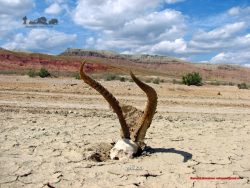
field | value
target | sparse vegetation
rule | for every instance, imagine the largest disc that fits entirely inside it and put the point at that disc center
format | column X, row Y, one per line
column 122, row 79
column 43, row 73
column 77, row 76
column 176, row 81
column 113, row 76
column 192, row 79
column 110, row 77
column 242, row 86
column 218, row 83
column 32, row 73
column 156, row 80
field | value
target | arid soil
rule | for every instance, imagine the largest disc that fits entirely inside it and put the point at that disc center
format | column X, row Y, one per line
column 54, row 132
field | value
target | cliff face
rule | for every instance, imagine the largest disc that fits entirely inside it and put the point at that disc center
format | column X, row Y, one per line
column 19, row 61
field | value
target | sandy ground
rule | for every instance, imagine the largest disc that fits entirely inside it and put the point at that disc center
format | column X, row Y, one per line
column 49, row 129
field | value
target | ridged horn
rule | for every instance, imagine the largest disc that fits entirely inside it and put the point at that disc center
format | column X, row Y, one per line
column 109, row 98
column 150, row 109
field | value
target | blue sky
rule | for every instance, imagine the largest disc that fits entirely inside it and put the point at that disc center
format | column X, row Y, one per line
column 194, row 30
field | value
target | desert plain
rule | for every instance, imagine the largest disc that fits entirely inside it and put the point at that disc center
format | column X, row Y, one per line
column 51, row 130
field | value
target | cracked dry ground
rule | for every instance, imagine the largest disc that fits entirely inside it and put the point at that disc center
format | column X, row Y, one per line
column 48, row 128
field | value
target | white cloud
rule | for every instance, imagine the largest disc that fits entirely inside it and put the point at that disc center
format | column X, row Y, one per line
column 239, row 11
column 154, row 27
column 128, row 25
column 54, row 8
column 7, row 24
column 173, row 1
column 136, row 27
column 232, row 58
column 15, row 7
column 177, row 46
column 11, row 14
column 234, row 11
column 110, row 14
column 41, row 39
column 229, row 37
column 223, row 32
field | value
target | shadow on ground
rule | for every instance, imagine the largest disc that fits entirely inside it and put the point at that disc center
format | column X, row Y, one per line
column 186, row 156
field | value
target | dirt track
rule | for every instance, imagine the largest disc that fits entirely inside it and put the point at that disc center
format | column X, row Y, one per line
column 49, row 127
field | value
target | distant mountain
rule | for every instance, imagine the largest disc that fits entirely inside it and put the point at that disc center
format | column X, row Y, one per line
column 139, row 58
column 69, row 61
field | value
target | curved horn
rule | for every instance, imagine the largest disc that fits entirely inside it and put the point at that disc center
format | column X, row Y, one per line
column 109, row 98
column 149, row 110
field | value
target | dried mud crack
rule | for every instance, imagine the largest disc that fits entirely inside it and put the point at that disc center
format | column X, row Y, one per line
column 63, row 139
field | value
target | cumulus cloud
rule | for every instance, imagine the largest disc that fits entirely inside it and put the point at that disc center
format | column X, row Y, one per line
column 227, row 37
column 9, row 12
column 15, row 7
column 54, row 8
column 239, row 11
column 41, row 39
column 7, row 24
column 242, row 58
column 177, row 46
column 110, row 14
column 223, row 32
column 156, row 26
column 129, row 25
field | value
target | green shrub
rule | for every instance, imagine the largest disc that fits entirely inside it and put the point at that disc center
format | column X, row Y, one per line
column 122, row 79
column 242, row 86
column 32, row 73
column 77, row 76
column 192, row 79
column 156, row 80
column 43, row 73
column 110, row 77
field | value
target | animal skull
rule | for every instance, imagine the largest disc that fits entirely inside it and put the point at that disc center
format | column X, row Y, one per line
column 124, row 149
column 132, row 132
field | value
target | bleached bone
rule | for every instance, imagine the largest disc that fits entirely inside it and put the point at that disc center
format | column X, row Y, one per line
column 132, row 134
column 123, row 149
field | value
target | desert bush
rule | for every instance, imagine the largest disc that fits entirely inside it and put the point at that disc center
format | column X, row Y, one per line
column 109, row 77
column 77, row 76
column 156, row 80
column 122, row 79
column 43, row 73
column 32, row 73
column 242, row 86
column 192, row 79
